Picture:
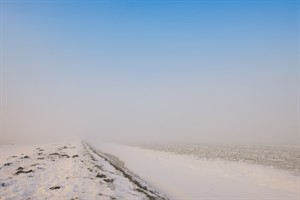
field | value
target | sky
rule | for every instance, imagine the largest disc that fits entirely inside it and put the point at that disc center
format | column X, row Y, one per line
column 150, row 71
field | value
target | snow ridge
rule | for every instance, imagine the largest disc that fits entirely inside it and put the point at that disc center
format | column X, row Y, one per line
column 141, row 185
column 66, row 171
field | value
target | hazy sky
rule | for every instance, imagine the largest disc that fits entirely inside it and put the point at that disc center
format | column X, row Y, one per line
column 154, row 71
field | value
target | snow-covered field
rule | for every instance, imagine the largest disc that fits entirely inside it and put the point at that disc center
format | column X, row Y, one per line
column 277, row 156
column 67, row 171
column 79, row 171
column 189, row 177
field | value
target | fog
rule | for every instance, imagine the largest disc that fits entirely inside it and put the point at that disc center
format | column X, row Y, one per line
column 68, row 78
column 227, row 112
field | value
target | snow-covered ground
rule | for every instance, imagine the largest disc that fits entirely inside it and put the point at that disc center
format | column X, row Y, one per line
column 188, row 177
column 277, row 156
column 66, row 171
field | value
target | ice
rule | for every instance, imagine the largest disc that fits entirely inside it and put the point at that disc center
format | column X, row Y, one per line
column 188, row 177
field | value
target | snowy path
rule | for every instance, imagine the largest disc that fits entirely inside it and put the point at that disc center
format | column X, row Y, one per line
column 66, row 171
column 184, row 177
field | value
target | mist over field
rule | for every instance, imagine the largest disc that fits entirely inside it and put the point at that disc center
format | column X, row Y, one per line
column 150, row 72
column 160, row 99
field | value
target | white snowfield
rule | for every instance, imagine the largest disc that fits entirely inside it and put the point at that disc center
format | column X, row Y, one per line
column 66, row 171
column 184, row 177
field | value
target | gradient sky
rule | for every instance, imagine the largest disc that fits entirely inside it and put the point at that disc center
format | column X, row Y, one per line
column 155, row 71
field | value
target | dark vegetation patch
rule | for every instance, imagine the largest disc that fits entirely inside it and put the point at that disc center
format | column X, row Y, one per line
column 20, row 168
column 54, row 154
column 59, row 155
column 25, row 157
column 23, row 172
column 108, row 180
column 101, row 175
column 41, row 158
column 55, row 188
column 7, row 164
column 75, row 156
column 34, row 164
column 65, row 155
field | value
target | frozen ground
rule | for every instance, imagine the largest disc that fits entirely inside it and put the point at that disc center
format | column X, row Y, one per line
column 281, row 157
column 67, row 171
column 188, row 177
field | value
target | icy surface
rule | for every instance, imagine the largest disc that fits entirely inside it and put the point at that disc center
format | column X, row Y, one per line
column 188, row 177
column 281, row 157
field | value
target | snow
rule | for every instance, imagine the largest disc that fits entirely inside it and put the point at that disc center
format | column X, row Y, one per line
column 64, row 171
column 187, row 177
column 78, row 171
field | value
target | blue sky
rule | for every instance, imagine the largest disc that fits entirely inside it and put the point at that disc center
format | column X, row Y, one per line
column 172, row 63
